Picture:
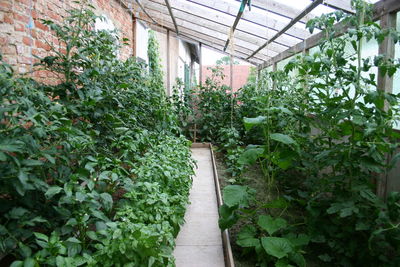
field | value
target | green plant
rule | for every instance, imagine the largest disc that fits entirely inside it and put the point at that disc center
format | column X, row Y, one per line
column 71, row 152
column 215, row 107
column 322, row 139
column 271, row 238
column 183, row 106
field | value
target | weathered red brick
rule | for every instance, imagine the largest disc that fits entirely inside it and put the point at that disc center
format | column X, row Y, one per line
column 27, row 40
column 15, row 36
column 25, row 2
column 3, row 41
column 5, row 6
column 35, row 14
column 25, row 60
column 40, row 44
column 34, row 33
column 41, row 26
column 8, row 19
column 21, row 18
column 54, row 16
column 19, row 27
column 9, row 50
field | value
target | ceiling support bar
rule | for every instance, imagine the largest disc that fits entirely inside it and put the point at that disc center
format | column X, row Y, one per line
column 144, row 11
column 290, row 24
column 172, row 16
column 238, row 16
column 381, row 8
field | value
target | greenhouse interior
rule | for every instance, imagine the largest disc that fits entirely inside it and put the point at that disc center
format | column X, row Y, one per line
column 200, row 133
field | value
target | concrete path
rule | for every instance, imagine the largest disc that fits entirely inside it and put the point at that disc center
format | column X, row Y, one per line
column 199, row 242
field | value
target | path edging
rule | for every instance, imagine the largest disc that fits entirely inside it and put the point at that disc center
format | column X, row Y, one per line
column 225, row 234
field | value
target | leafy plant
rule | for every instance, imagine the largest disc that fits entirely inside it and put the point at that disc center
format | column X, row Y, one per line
column 323, row 133
column 269, row 237
column 75, row 157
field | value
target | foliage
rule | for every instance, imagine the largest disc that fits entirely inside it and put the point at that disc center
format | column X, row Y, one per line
column 269, row 237
column 155, row 67
column 323, row 135
column 76, row 157
column 252, row 78
column 214, row 105
column 182, row 101
column 226, row 60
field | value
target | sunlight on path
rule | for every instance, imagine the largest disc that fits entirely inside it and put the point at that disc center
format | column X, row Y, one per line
column 199, row 243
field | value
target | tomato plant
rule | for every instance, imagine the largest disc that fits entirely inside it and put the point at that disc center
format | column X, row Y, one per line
column 92, row 171
column 322, row 132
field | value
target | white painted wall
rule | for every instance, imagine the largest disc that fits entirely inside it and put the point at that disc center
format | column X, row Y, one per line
column 142, row 39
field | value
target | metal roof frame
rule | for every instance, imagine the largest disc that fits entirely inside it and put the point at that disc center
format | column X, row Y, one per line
column 261, row 36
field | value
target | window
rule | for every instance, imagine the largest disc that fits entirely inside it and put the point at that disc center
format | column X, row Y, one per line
column 142, row 39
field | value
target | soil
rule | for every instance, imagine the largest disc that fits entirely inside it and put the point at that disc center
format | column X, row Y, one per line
column 254, row 179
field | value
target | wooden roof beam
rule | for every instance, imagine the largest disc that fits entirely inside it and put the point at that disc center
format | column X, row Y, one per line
column 201, row 32
column 280, row 9
column 186, row 38
column 289, row 25
column 344, row 5
column 381, row 8
column 172, row 15
column 256, row 18
column 144, row 11
column 238, row 16
column 212, row 29
column 216, row 42
column 198, row 13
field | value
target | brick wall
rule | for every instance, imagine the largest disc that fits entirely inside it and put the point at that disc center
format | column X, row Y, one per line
column 240, row 75
column 22, row 35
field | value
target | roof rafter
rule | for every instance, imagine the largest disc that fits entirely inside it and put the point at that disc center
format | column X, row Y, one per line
column 238, row 16
column 172, row 15
column 289, row 25
column 144, row 10
column 205, row 26
column 202, row 14
column 255, row 18
column 380, row 9
column 216, row 42
column 280, row 9
column 207, row 43
column 200, row 32
column 343, row 5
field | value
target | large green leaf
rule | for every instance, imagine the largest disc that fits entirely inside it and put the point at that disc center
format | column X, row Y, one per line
column 251, row 122
column 276, row 246
column 278, row 203
column 283, row 138
column 236, row 195
column 247, row 237
column 298, row 259
column 250, row 155
column 227, row 218
column 271, row 225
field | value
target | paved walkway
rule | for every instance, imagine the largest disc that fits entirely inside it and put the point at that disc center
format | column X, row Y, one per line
column 199, row 243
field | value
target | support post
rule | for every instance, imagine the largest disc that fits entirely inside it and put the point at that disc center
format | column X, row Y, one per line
column 134, row 41
column 274, row 68
column 200, row 64
column 231, row 82
column 385, row 83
